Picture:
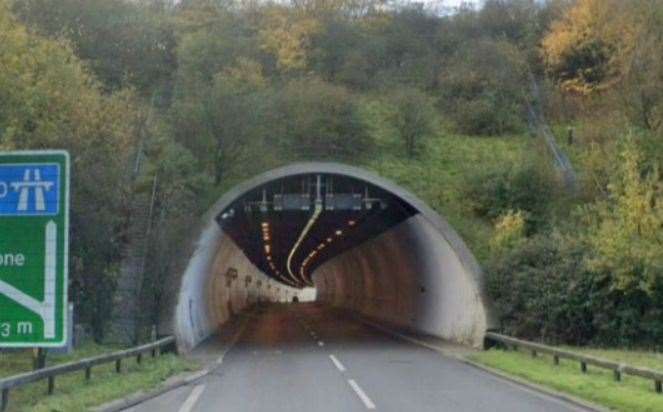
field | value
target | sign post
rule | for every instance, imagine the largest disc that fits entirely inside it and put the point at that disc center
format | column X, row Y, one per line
column 34, row 248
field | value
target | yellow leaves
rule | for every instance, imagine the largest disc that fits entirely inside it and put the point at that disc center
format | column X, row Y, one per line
column 246, row 73
column 509, row 231
column 586, row 48
column 627, row 236
column 50, row 101
column 287, row 35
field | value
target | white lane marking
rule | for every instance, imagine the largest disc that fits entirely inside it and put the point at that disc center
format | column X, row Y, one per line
column 337, row 363
column 190, row 402
column 362, row 395
column 321, row 343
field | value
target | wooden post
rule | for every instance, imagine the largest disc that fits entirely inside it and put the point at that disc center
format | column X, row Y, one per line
column 118, row 366
column 51, row 384
column 618, row 375
column 5, row 400
column 88, row 373
column 556, row 359
column 659, row 386
column 38, row 358
column 583, row 367
column 534, row 353
column 139, row 358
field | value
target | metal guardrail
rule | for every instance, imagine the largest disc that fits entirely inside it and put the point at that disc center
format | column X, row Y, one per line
column 87, row 364
column 618, row 369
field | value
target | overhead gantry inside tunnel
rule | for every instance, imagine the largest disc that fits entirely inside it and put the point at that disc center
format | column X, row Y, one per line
column 361, row 242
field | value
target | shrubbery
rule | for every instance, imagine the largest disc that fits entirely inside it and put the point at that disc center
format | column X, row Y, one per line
column 545, row 291
column 483, row 88
column 528, row 188
column 318, row 120
column 598, row 280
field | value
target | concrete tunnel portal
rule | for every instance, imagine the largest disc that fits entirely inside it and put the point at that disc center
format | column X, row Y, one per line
column 364, row 244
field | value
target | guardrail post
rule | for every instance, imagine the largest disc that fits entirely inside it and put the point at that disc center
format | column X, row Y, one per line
column 534, row 353
column 659, row 386
column 5, row 400
column 556, row 359
column 139, row 358
column 618, row 375
column 51, row 385
column 88, row 373
column 583, row 367
column 118, row 366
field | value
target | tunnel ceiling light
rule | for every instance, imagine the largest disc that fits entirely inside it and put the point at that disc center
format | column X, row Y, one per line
column 339, row 232
column 351, row 223
column 265, row 225
column 329, row 240
column 267, row 248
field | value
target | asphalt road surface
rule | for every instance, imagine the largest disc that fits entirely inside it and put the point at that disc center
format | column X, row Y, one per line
column 304, row 357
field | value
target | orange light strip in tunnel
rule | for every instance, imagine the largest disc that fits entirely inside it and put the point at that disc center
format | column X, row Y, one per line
column 314, row 252
column 266, row 238
column 314, row 217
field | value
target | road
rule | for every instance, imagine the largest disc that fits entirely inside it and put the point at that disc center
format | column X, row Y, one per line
column 305, row 357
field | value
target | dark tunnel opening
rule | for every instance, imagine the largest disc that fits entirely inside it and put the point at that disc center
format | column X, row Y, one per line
column 291, row 226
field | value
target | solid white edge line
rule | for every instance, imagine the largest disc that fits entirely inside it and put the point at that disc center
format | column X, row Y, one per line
column 337, row 363
column 190, row 402
column 364, row 398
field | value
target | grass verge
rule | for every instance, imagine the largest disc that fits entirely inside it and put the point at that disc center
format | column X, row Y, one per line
column 73, row 393
column 597, row 385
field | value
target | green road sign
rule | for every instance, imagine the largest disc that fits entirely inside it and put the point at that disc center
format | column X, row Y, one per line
column 34, row 248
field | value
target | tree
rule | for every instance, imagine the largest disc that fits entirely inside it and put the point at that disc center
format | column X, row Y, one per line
column 51, row 101
column 583, row 49
column 220, row 121
column 125, row 43
column 483, row 88
column 414, row 118
column 317, row 120
column 287, row 34
column 641, row 88
column 627, row 228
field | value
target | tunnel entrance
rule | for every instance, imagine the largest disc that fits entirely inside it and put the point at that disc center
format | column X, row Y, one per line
column 362, row 242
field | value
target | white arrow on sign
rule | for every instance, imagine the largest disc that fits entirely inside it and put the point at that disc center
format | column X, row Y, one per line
column 45, row 309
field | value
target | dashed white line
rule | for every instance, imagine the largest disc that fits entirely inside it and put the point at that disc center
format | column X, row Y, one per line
column 337, row 363
column 362, row 395
column 321, row 343
column 190, row 402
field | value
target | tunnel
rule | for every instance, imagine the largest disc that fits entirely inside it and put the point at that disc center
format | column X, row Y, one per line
column 341, row 236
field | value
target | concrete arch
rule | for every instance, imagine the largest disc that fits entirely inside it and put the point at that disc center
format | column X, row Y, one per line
column 418, row 275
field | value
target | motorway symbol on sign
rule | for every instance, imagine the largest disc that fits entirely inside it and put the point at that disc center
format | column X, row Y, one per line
column 34, row 220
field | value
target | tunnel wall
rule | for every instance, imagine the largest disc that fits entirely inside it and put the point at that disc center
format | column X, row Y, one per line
column 208, row 296
column 410, row 277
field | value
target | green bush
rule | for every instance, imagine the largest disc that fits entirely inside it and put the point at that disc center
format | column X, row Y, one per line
column 318, row 120
column 528, row 188
column 484, row 87
column 543, row 290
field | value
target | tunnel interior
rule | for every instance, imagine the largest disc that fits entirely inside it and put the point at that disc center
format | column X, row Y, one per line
column 291, row 226
column 364, row 244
